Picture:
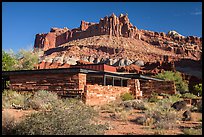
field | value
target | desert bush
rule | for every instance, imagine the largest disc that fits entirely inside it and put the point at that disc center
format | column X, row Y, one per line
column 139, row 105
column 70, row 117
column 111, row 107
column 198, row 89
column 173, row 98
column 153, row 97
column 192, row 131
column 189, row 95
column 127, row 96
column 199, row 106
column 42, row 100
column 122, row 115
column 10, row 97
column 181, row 85
column 159, row 132
column 8, row 124
column 162, row 113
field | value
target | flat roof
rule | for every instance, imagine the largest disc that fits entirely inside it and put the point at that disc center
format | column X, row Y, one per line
column 79, row 70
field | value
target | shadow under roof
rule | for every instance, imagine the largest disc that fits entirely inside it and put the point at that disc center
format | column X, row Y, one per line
column 78, row 70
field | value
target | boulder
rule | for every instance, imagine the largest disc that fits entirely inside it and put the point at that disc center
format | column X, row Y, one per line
column 179, row 105
column 58, row 60
column 127, row 62
column 70, row 61
column 139, row 63
column 50, row 60
column 187, row 115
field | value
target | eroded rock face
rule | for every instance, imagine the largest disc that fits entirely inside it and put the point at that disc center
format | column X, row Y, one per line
column 124, row 52
column 190, row 46
column 112, row 25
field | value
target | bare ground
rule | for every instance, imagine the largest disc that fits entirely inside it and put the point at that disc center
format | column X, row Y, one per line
column 121, row 127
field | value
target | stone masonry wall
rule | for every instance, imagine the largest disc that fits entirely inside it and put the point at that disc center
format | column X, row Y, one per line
column 49, row 82
column 99, row 95
column 134, row 85
column 148, row 87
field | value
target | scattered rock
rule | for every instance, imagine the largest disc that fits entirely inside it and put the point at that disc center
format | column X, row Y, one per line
column 179, row 105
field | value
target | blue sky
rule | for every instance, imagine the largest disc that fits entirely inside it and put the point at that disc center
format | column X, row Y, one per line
column 21, row 21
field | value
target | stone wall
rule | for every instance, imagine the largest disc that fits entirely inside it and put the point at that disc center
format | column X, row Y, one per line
column 99, row 95
column 148, row 87
column 134, row 85
column 49, row 82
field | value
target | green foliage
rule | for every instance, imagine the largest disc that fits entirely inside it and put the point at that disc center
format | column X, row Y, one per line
column 153, row 97
column 192, row 131
column 163, row 115
column 189, row 95
column 198, row 89
column 122, row 115
column 10, row 97
column 8, row 123
column 199, row 106
column 127, row 96
column 56, row 116
column 181, row 85
column 65, row 118
column 9, row 62
column 23, row 60
column 139, row 105
column 27, row 59
column 42, row 100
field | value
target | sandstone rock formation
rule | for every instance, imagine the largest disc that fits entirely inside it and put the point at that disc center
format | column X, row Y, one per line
column 112, row 25
column 115, row 41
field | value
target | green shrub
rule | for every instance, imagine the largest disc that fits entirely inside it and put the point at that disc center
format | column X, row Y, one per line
column 10, row 97
column 181, row 85
column 8, row 61
column 189, row 95
column 162, row 113
column 8, row 124
column 67, row 118
column 111, row 107
column 153, row 97
column 199, row 106
column 122, row 115
column 139, row 105
column 42, row 100
column 198, row 89
column 127, row 96
column 172, row 99
column 192, row 131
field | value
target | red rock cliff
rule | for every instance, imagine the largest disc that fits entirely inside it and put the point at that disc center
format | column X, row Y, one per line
column 112, row 25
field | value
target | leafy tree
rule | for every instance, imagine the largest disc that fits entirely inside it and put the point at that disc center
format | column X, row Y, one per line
column 181, row 85
column 23, row 60
column 9, row 61
column 27, row 59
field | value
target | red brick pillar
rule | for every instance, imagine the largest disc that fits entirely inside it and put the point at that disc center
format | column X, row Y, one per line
column 82, row 81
